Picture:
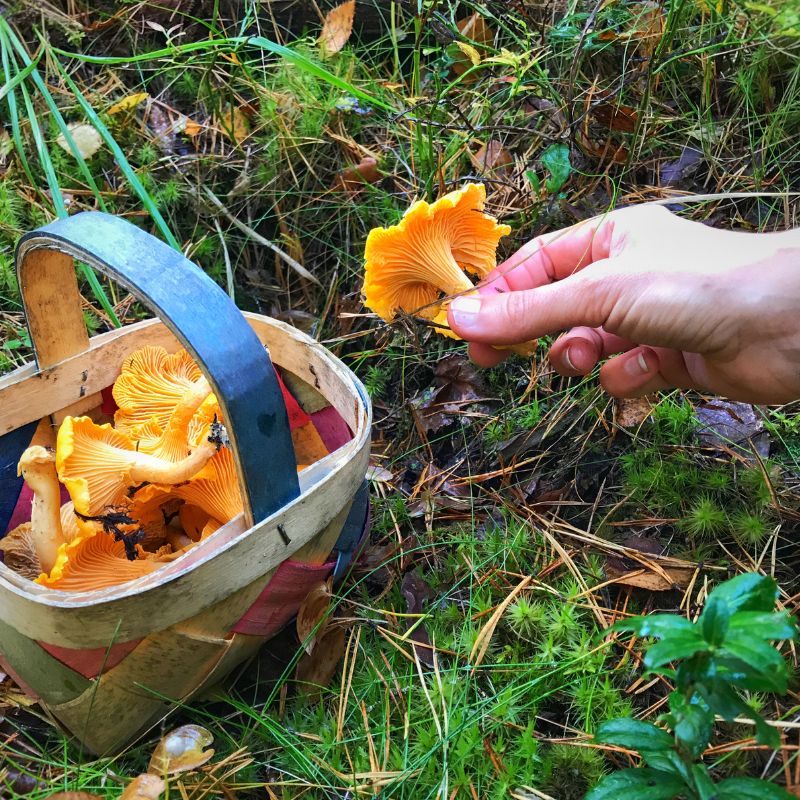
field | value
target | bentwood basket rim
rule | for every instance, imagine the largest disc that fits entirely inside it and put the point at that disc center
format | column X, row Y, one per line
column 324, row 475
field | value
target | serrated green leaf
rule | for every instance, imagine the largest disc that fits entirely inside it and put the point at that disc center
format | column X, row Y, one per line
column 778, row 625
column 683, row 644
column 750, row 789
column 634, row 734
column 714, row 620
column 747, row 592
column 637, row 784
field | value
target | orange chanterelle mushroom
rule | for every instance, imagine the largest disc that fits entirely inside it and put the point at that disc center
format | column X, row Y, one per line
column 418, row 265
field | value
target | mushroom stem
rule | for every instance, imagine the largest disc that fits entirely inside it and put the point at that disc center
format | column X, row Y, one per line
column 149, row 469
column 38, row 467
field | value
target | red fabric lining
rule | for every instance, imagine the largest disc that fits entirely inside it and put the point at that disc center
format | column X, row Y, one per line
column 281, row 598
column 90, row 663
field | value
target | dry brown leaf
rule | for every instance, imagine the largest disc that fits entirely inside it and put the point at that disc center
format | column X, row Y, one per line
column 312, row 612
column 86, row 138
column 144, row 787
column 72, row 796
column 315, row 671
column 631, row 412
column 642, row 578
column 652, row 570
column 181, row 750
column 616, row 117
column 352, row 179
column 492, row 157
column 337, row 27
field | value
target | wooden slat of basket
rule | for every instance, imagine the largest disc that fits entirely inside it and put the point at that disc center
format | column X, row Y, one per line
column 26, row 396
column 319, row 549
column 46, row 676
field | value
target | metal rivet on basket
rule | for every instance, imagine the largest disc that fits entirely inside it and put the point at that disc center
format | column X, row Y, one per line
column 285, row 536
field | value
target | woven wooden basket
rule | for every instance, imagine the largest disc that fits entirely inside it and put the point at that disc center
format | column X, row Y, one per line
column 109, row 664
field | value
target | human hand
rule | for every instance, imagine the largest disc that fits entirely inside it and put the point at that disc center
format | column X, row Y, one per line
column 685, row 305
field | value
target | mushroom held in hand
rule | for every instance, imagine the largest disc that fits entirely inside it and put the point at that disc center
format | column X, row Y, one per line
column 418, row 265
column 44, row 532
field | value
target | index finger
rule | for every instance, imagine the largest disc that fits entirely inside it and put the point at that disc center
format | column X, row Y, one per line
column 553, row 256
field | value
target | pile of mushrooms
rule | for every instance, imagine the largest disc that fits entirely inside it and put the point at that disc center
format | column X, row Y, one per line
column 420, row 264
column 142, row 491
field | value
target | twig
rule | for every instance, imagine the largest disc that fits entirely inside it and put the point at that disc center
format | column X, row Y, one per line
column 259, row 239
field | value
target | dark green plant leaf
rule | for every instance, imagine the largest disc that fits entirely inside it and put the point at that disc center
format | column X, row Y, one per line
column 714, row 620
column 750, row 789
column 657, row 625
column 691, row 722
column 637, row 784
column 555, row 159
column 683, row 644
column 747, row 592
column 703, row 783
column 635, row 734
column 765, row 626
column 760, row 665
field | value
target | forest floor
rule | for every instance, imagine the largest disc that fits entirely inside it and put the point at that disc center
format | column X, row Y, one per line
column 512, row 489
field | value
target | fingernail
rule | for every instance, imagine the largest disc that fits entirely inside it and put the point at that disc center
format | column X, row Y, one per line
column 568, row 360
column 636, row 366
column 465, row 311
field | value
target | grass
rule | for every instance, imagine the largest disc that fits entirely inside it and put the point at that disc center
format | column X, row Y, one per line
column 535, row 490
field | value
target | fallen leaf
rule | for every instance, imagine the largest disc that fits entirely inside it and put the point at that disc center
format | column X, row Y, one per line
column 674, row 171
column 87, row 140
column 616, row 117
column 379, row 474
column 723, row 422
column 467, row 54
column 470, row 52
column 337, row 27
column 313, row 611
column 417, row 594
column 129, row 102
column 492, row 157
column 661, row 577
column 352, row 179
column 72, row 796
column 145, row 787
column 162, row 127
column 19, row 782
column 649, row 28
column 315, row 671
column 181, row 750
column 234, row 124
column 631, row 412
column 458, row 383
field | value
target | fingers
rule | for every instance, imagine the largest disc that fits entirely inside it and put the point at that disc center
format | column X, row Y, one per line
column 485, row 355
column 578, row 351
column 554, row 256
column 643, row 370
column 519, row 316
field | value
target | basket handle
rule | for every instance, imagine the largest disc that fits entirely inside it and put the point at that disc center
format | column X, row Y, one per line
column 202, row 317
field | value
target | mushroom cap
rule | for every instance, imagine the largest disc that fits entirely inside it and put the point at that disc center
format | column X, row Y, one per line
column 92, row 462
column 19, row 552
column 151, row 383
column 95, row 561
column 215, row 489
column 410, row 265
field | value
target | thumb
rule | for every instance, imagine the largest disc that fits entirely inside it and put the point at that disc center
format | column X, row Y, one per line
column 518, row 316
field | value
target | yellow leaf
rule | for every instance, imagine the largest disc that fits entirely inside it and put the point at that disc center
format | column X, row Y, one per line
column 338, row 27
column 129, row 102
column 234, row 124
column 87, row 140
column 470, row 52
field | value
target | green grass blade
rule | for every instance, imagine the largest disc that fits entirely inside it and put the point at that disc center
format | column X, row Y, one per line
column 298, row 59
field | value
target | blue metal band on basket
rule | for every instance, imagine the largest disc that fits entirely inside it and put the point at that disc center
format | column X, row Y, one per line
column 208, row 324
